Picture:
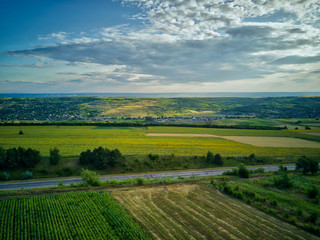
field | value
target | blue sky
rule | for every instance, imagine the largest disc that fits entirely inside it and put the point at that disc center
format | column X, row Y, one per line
column 159, row 46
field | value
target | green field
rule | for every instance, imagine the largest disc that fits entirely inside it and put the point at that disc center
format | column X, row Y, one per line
column 71, row 140
column 292, row 204
column 85, row 215
column 192, row 211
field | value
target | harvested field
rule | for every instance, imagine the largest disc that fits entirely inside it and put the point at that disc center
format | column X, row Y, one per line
column 314, row 134
column 187, row 211
column 274, row 141
column 252, row 140
column 179, row 135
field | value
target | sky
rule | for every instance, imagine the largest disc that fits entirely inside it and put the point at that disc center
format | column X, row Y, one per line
column 146, row 46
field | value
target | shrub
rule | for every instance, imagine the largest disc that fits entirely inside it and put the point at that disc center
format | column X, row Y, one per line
column 153, row 157
column 209, row 157
column 243, row 171
column 43, row 171
column 307, row 165
column 27, row 175
column 140, row 181
column 4, row 176
column 67, row 171
column 252, row 156
column 233, row 172
column 90, row 177
column 283, row 181
column 282, row 168
column 312, row 218
column 54, row 156
column 259, row 170
column 218, row 159
column 312, row 192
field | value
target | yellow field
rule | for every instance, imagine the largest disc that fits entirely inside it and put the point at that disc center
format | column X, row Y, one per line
column 71, row 140
column 189, row 211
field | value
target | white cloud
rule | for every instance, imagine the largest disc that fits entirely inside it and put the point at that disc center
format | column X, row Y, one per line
column 203, row 45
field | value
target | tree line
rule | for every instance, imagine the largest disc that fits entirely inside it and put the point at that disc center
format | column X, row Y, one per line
column 101, row 157
column 18, row 158
column 137, row 124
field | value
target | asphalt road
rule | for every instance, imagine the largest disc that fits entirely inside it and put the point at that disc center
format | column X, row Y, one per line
column 50, row 183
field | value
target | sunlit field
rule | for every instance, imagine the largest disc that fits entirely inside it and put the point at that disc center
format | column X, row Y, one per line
column 71, row 140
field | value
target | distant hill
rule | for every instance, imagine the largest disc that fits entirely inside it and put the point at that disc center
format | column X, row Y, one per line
column 86, row 108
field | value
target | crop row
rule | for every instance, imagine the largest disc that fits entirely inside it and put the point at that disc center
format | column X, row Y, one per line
column 87, row 215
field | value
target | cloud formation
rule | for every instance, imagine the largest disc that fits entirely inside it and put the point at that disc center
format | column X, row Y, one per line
column 203, row 43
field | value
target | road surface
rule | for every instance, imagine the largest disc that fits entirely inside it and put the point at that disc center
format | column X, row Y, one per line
column 50, row 183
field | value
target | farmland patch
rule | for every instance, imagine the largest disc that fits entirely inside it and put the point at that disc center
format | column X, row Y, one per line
column 201, row 212
column 274, row 141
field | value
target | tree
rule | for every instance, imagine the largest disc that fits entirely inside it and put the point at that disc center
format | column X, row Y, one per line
column 90, row 177
column 218, row 159
column 307, row 165
column 283, row 181
column 85, row 157
column 11, row 161
column 209, row 157
column 100, row 156
column 3, row 158
column 31, row 157
column 243, row 171
column 54, row 156
column 4, row 176
column 27, row 175
column 114, row 157
column 252, row 156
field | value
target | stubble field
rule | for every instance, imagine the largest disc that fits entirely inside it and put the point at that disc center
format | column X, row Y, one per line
column 201, row 212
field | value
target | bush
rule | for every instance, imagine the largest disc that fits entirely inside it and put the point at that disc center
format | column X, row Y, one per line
column 43, row 171
column 252, row 156
column 312, row 192
column 307, row 165
column 27, row 175
column 218, row 159
column 233, row 172
column 153, row 157
column 4, row 176
column 54, row 156
column 90, row 177
column 259, row 170
column 209, row 157
column 101, row 157
column 283, row 181
column 67, row 171
column 140, row 181
column 243, row 171
column 312, row 218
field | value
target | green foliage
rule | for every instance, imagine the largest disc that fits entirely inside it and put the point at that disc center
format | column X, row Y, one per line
column 312, row 192
column 282, row 181
column 54, row 156
column 243, row 171
column 18, row 158
column 140, row 180
column 209, row 157
column 252, row 156
column 307, row 165
column 101, row 157
column 27, row 175
column 90, row 177
column 282, row 168
column 153, row 157
column 81, row 215
column 218, row 159
column 4, row 176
